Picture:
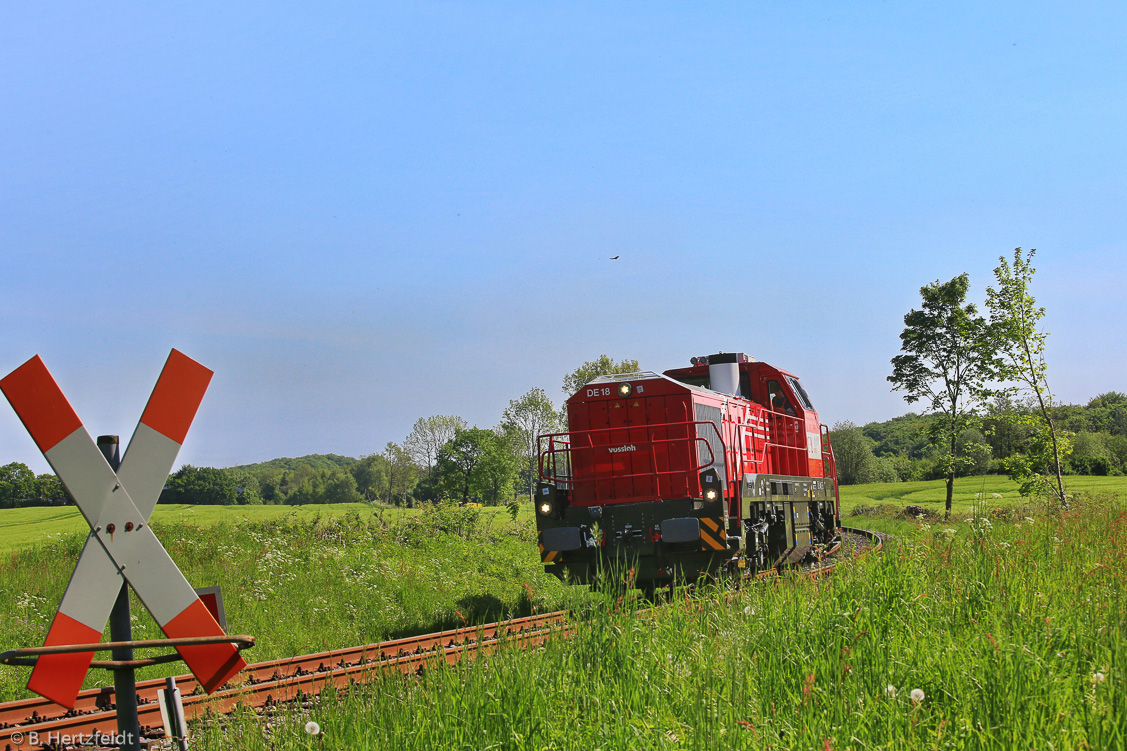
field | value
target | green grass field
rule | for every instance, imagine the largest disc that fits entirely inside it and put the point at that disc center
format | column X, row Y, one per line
column 28, row 527
column 988, row 492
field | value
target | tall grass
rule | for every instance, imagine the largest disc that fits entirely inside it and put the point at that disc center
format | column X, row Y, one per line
column 1014, row 634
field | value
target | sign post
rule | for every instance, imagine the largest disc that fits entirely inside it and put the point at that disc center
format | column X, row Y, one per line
column 121, row 629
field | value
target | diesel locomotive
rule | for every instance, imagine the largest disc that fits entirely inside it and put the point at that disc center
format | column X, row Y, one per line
column 723, row 465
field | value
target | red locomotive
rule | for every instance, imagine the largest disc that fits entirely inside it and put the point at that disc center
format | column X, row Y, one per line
column 678, row 475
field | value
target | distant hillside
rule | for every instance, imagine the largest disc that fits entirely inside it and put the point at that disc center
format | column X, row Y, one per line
column 321, row 462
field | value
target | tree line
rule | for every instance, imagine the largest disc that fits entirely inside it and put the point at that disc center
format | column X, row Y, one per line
column 900, row 449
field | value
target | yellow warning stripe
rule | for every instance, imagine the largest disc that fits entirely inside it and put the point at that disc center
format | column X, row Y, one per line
column 714, row 539
column 711, row 541
column 547, row 556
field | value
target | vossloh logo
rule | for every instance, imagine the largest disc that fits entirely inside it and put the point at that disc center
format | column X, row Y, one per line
column 622, row 449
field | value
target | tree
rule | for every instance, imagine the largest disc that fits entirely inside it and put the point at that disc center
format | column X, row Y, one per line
column 202, row 485
column 948, row 359
column 18, row 486
column 370, row 474
column 853, row 454
column 50, row 491
column 527, row 418
column 476, row 463
column 247, row 489
column 402, row 472
column 429, row 435
column 589, row 371
column 1015, row 317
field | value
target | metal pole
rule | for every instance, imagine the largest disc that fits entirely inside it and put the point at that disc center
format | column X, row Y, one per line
column 124, row 679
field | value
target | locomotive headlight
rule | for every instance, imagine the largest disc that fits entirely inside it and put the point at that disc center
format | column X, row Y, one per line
column 546, row 500
column 710, row 484
column 625, row 389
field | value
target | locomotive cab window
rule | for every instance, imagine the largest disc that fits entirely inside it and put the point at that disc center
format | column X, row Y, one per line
column 779, row 400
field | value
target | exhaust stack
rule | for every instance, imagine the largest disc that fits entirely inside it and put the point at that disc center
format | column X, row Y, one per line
column 724, row 373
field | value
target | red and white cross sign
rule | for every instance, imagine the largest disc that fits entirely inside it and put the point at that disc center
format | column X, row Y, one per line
column 117, row 506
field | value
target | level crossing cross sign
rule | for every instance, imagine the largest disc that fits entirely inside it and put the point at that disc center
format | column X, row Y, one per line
column 117, row 506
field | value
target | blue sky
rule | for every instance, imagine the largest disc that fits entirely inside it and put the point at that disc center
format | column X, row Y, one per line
column 363, row 214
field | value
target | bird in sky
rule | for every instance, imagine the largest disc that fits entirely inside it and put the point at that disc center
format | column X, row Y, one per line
column 614, row 258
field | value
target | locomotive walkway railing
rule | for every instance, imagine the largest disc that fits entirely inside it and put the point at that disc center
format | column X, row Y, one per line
column 629, row 462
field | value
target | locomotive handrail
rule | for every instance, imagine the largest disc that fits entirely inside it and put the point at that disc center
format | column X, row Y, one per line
column 568, row 447
column 780, row 424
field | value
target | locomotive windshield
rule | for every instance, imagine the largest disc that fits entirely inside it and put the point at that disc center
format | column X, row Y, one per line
column 800, row 392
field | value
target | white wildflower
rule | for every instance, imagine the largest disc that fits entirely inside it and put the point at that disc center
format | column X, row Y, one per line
column 749, row 610
column 890, row 691
column 917, row 695
column 1098, row 677
column 312, row 728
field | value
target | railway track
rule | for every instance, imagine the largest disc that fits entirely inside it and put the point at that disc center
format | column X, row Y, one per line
column 33, row 723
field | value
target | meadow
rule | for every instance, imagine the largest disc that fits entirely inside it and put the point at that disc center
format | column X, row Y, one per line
column 986, row 635
column 1005, row 627
column 309, row 579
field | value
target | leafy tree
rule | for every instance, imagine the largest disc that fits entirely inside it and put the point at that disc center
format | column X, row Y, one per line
column 370, row 474
column 947, row 361
column 1090, row 455
column 429, row 435
column 972, row 445
column 1006, row 427
column 499, row 470
column 339, row 486
column 1108, row 412
column 906, row 435
column 201, row 485
column 853, row 454
column 50, row 491
column 1015, row 317
column 1117, row 449
column 18, row 486
column 527, row 418
column 476, row 463
column 589, row 371
column 402, row 472
column 247, row 489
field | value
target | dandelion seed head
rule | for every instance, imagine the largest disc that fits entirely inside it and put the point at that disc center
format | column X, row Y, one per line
column 1098, row 677
column 917, row 695
column 312, row 728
